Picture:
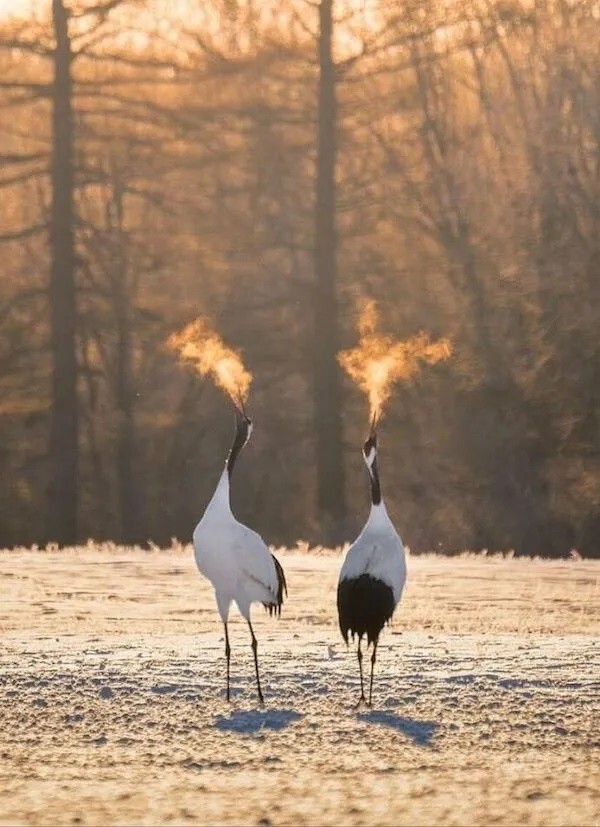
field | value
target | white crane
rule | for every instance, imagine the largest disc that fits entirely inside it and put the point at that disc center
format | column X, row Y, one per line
column 234, row 558
column 373, row 574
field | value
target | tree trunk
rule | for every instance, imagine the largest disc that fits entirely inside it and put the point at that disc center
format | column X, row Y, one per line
column 125, row 443
column 124, row 380
column 63, row 448
column 327, row 384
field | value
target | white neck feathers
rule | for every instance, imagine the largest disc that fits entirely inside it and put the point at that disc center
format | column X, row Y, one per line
column 378, row 516
column 220, row 499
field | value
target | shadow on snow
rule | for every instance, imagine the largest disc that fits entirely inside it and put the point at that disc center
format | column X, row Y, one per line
column 249, row 722
column 420, row 732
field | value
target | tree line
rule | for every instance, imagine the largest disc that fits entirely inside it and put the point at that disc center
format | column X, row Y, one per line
column 269, row 165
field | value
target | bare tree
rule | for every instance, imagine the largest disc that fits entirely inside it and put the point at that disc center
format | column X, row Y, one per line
column 327, row 381
column 64, row 427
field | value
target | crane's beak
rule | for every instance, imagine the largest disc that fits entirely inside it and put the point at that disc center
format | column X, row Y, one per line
column 240, row 414
column 240, row 410
column 373, row 428
column 241, row 417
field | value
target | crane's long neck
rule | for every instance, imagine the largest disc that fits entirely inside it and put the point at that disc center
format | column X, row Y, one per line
column 220, row 503
column 239, row 440
column 375, row 484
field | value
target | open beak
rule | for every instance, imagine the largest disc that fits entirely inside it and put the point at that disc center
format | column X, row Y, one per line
column 373, row 427
column 240, row 410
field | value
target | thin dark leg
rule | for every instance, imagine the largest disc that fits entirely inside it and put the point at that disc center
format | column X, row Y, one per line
column 254, row 650
column 360, row 658
column 227, row 655
column 373, row 656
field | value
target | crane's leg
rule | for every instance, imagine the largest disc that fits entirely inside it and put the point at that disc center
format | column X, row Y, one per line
column 373, row 657
column 360, row 658
column 254, row 650
column 227, row 655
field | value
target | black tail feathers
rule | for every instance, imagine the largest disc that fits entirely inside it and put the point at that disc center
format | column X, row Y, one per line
column 275, row 608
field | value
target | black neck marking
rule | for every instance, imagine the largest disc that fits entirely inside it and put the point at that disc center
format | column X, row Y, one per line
column 370, row 447
column 375, row 484
column 239, row 440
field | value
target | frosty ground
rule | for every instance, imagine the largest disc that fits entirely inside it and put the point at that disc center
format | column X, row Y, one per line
column 112, row 711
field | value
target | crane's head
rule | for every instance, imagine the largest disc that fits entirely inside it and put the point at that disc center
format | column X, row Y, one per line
column 243, row 424
column 370, row 457
column 370, row 449
column 243, row 429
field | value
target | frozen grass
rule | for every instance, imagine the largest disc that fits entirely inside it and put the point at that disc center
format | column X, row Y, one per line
column 111, row 696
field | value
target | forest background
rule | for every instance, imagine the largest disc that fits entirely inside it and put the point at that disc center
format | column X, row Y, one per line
column 268, row 165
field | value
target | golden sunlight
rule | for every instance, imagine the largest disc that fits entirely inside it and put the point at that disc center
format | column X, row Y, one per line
column 355, row 17
column 15, row 8
column 377, row 362
column 201, row 347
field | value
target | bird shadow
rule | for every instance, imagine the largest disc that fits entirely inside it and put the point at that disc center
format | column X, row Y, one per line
column 420, row 732
column 253, row 721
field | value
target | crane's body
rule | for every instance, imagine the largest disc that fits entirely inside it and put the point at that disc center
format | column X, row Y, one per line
column 373, row 574
column 234, row 558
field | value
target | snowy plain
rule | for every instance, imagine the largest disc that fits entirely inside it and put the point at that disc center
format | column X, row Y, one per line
column 486, row 701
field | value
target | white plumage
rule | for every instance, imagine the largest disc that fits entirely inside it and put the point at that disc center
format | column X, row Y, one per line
column 234, row 558
column 377, row 551
column 373, row 574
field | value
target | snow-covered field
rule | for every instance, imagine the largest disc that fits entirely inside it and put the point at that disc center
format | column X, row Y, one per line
column 112, row 710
